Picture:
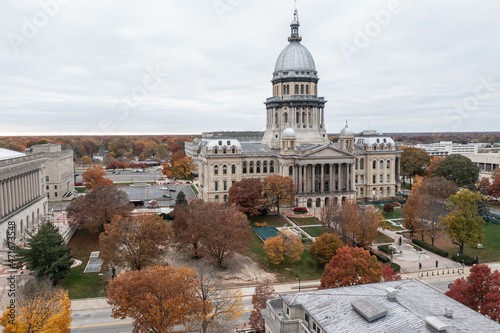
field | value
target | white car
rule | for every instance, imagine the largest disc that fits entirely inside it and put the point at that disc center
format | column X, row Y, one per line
column 164, row 189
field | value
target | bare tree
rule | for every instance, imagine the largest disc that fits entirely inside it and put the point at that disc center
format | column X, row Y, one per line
column 330, row 216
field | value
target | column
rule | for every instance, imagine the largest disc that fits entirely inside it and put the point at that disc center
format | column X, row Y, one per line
column 10, row 196
column 2, row 204
column 322, row 177
column 339, row 176
column 353, row 173
column 331, row 180
column 313, row 177
column 300, row 179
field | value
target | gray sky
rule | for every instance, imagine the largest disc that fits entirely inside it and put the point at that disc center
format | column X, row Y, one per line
column 165, row 66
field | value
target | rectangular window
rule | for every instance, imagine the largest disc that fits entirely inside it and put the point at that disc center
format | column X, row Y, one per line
column 361, row 191
column 216, row 185
column 314, row 326
column 374, row 179
column 233, row 151
column 381, row 178
column 55, row 187
column 47, row 187
column 306, row 318
column 46, row 178
column 388, row 178
column 55, row 194
column 225, row 185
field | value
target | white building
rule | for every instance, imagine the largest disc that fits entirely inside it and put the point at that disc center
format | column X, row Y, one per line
column 445, row 148
column 23, row 199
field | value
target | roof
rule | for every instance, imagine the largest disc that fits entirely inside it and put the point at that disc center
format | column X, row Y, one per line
column 220, row 142
column 6, row 154
column 416, row 304
column 371, row 140
column 295, row 57
column 255, row 148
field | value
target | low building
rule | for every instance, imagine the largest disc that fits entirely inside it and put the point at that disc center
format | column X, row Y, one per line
column 389, row 307
column 487, row 162
column 59, row 171
column 23, row 200
column 445, row 148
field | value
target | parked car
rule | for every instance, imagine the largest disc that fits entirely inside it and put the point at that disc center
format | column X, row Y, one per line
column 164, row 189
column 172, row 190
column 165, row 195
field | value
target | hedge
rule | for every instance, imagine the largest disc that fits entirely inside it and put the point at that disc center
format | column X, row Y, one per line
column 395, row 267
column 384, row 248
column 383, row 259
column 431, row 248
column 467, row 260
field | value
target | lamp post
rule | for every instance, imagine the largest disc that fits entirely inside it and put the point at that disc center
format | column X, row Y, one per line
column 297, row 278
column 419, row 265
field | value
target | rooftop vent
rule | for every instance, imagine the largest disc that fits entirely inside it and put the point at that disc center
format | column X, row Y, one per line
column 448, row 313
column 369, row 310
column 437, row 324
column 391, row 293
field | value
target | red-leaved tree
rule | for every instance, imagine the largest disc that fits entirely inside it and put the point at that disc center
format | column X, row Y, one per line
column 247, row 196
column 479, row 291
column 263, row 293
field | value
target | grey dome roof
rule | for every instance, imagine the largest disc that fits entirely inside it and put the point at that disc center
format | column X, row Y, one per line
column 346, row 131
column 288, row 132
column 295, row 57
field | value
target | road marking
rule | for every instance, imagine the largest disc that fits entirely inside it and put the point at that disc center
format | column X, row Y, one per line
column 110, row 324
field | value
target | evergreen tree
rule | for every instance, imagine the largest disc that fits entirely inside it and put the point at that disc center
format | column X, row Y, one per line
column 181, row 199
column 45, row 254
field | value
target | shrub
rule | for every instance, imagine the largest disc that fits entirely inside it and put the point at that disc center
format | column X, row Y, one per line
column 166, row 216
column 260, row 225
column 380, row 257
column 300, row 210
column 395, row 203
column 388, row 208
column 431, row 248
column 384, row 248
column 395, row 267
column 79, row 184
column 467, row 260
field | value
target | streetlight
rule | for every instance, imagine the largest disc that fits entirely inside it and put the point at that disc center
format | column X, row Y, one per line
column 297, row 278
column 419, row 265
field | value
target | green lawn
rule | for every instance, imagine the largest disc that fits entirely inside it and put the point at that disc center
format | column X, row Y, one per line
column 491, row 245
column 306, row 268
column 396, row 214
column 381, row 238
column 305, row 220
column 314, row 231
column 195, row 190
column 78, row 284
column 80, row 189
column 390, row 226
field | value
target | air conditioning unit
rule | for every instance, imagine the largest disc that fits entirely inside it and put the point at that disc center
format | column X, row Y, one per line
column 479, row 246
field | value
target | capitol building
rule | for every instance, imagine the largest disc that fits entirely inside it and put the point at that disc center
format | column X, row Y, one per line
column 295, row 143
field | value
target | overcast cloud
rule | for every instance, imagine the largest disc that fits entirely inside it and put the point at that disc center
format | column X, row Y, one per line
column 165, row 66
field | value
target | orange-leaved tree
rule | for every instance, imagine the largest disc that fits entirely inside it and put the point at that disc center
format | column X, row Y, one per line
column 263, row 292
column 94, row 177
column 278, row 191
column 39, row 307
column 284, row 248
column 135, row 241
column 325, row 247
column 365, row 231
column 351, row 266
column 247, row 196
column 157, row 298
column 180, row 166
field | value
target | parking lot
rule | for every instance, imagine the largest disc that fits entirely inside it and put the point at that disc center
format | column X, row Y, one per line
column 155, row 192
column 127, row 176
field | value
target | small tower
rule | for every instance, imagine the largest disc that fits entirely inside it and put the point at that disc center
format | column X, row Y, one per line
column 346, row 138
column 288, row 141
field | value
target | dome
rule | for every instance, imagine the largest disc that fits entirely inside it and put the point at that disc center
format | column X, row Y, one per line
column 288, row 133
column 346, row 131
column 295, row 57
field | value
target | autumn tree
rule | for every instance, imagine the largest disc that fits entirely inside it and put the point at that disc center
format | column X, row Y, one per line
column 98, row 207
column 388, row 273
column 414, row 162
column 39, row 307
column 411, row 209
column 86, row 160
column 480, row 291
column 283, row 248
column 439, row 188
column 94, row 177
column 351, row 266
column 220, row 305
column 483, row 185
column 365, row 230
column 278, row 191
column 434, row 164
column 135, row 241
column 181, row 199
column 462, row 223
column 212, row 229
column 45, row 254
column 348, row 218
column 325, row 247
column 459, row 169
column 247, row 196
column 263, row 292
column 180, row 166
column 156, row 298
column 329, row 215
column 494, row 189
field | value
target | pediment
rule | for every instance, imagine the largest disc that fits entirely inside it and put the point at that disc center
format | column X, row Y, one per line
column 327, row 152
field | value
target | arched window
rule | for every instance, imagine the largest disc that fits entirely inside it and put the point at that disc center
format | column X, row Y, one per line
column 215, row 150
column 302, row 89
column 296, row 89
column 381, row 164
column 251, row 167
column 258, row 167
column 307, row 90
column 271, row 167
column 225, row 198
column 228, row 143
column 309, row 203
column 374, row 164
column 318, row 202
column 388, row 164
column 216, row 170
column 224, row 151
column 224, row 169
column 381, row 191
column 216, row 198
column 264, row 167
column 388, row 191
column 290, row 170
column 233, row 169
column 244, row 167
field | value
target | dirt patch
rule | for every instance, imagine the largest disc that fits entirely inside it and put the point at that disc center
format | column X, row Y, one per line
column 241, row 270
column 83, row 242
